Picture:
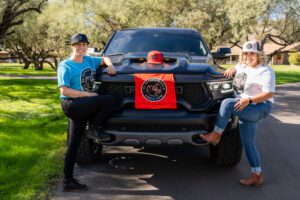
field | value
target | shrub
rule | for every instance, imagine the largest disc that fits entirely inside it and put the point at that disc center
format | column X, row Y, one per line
column 294, row 58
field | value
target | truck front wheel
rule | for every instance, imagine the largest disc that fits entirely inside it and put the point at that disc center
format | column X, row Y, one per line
column 229, row 150
column 89, row 151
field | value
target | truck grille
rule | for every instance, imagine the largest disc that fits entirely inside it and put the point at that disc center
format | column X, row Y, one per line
column 195, row 94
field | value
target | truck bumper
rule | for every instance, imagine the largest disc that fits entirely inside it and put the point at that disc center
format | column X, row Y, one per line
column 158, row 127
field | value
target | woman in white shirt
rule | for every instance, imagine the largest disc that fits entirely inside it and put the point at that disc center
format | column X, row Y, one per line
column 254, row 84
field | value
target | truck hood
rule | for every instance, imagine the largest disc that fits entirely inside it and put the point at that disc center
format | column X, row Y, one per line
column 176, row 63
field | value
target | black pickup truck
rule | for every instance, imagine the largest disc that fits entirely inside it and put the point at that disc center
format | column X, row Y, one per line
column 198, row 85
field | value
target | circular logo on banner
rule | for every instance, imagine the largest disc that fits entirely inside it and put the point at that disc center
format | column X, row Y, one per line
column 154, row 89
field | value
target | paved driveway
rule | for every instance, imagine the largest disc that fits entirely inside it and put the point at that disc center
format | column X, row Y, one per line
column 185, row 173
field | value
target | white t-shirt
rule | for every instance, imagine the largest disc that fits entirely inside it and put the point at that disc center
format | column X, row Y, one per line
column 249, row 81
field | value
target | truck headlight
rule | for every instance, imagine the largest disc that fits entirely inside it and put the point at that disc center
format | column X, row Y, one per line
column 223, row 87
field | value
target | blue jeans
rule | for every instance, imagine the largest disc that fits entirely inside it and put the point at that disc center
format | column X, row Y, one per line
column 249, row 118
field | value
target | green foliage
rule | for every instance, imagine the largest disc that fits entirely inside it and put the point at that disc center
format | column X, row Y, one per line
column 41, row 37
column 219, row 21
column 208, row 17
column 32, row 140
column 294, row 58
column 13, row 12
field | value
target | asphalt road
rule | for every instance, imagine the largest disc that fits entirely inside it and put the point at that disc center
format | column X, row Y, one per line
column 186, row 173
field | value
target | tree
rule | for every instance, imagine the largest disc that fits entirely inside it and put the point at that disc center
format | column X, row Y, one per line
column 219, row 21
column 267, row 21
column 44, row 38
column 208, row 17
column 12, row 13
column 31, row 46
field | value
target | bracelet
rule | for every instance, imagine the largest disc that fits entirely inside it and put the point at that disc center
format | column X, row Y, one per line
column 250, row 100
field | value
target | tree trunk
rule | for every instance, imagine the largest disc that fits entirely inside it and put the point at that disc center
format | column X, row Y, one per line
column 42, row 65
column 51, row 65
column 26, row 64
column 37, row 65
column 269, row 58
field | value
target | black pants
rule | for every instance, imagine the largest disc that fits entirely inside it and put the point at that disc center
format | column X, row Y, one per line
column 80, row 111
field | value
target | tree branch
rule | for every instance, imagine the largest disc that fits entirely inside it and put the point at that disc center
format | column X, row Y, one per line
column 236, row 43
column 271, row 37
column 107, row 21
column 37, row 9
column 16, row 23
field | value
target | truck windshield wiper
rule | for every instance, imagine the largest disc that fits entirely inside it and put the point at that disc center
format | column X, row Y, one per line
column 116, row 54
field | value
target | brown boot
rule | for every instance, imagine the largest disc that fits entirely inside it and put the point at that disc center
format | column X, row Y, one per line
column 254, row 180
column 212, row 137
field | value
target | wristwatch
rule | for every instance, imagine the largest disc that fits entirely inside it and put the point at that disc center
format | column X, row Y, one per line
column 250, row 100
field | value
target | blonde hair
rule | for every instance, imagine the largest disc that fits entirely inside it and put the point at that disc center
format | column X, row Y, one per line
column 261, row 58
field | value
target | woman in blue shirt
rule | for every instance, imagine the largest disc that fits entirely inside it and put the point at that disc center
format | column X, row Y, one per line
column 76, row 77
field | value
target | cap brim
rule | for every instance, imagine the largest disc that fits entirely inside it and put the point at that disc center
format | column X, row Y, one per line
column 155, row 62
column 78, row 42
column 258, row 52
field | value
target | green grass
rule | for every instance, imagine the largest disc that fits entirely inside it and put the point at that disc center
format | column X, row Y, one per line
column 284, row 73
column 32, row 138
column 17, row 69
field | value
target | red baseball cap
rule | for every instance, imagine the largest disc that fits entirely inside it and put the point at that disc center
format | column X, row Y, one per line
column 155, row 57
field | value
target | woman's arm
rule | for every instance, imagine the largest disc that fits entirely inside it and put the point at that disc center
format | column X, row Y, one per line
column 110, row 67
column 243, row 102
column 69, row 92
column 261, row 97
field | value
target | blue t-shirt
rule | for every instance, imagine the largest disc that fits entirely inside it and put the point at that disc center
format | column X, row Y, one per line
column 78, row 76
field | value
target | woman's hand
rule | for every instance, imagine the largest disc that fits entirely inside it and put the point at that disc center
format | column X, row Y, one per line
column 229, row 73
column 110, row 67
column 111, row 70
column 241, row 104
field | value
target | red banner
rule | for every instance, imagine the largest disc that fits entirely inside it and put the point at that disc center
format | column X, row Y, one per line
column 154, row 91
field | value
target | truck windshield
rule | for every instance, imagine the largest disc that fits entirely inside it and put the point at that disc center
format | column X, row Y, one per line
column 164, row 41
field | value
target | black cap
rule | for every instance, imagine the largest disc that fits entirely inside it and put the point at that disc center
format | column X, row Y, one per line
column 79, row 37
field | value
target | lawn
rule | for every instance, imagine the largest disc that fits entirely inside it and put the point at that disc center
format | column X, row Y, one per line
column 284, row 73
column 17, row 69
column 32, row 138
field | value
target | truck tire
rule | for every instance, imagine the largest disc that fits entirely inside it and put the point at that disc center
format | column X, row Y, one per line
column 229, row 150
column 89, row 151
